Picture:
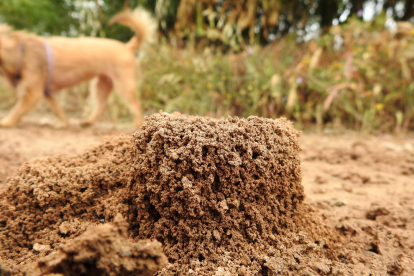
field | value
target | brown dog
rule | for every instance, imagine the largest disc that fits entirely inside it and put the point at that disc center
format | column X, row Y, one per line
column 39, row 67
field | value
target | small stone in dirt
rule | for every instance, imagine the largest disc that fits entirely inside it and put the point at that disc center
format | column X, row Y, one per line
column 320, row 180
column 347, row 188
column 339, row 203
column 41, row 247
column 374, row 213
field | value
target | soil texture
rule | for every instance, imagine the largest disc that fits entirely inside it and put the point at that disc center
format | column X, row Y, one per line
column 103, row 250
column 223, row 197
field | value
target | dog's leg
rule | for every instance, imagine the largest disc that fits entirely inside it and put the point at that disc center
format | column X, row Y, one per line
column 28, row 97
column 99, row 98
column 126, row 88
column 58, row 111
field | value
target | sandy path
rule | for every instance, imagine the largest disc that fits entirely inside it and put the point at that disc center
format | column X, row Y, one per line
column 31, row 141
column 348, row 175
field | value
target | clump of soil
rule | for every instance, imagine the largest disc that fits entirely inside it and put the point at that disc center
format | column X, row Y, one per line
column 4, row 271
column 103, row 250
column 52, row 200
column 223, row 196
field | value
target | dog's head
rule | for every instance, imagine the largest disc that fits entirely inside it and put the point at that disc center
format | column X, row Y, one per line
column 10, row 50
column 5, row 31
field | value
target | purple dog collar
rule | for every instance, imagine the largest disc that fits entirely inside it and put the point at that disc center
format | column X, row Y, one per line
column 49, row 55
column 18, row 75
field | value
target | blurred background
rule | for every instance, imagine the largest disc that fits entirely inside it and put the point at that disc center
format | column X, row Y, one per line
column 321, row 63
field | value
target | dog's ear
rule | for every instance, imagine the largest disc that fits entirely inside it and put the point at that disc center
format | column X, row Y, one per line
column 4, row 30
column 8, row 55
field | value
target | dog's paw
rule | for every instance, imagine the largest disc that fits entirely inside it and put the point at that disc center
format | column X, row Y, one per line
column 4, row 124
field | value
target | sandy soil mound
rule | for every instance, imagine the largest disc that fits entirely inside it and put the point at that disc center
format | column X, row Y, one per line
column 51, row 200
column 103, row 250
column 224, row 197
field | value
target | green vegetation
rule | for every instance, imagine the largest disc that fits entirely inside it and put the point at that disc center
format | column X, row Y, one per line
column 366, row 84
column 211, row 62
column 230, row 23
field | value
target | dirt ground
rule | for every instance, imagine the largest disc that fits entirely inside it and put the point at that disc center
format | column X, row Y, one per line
column 32, row 140
column 363, row 183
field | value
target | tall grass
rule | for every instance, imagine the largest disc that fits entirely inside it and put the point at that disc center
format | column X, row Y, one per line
column 359, row 76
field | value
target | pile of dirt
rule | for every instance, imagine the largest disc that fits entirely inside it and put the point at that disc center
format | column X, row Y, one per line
column 52, row 200
column 224, row 197
column 103, row 250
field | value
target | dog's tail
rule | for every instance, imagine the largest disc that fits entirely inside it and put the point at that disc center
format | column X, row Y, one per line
column 141, row 22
